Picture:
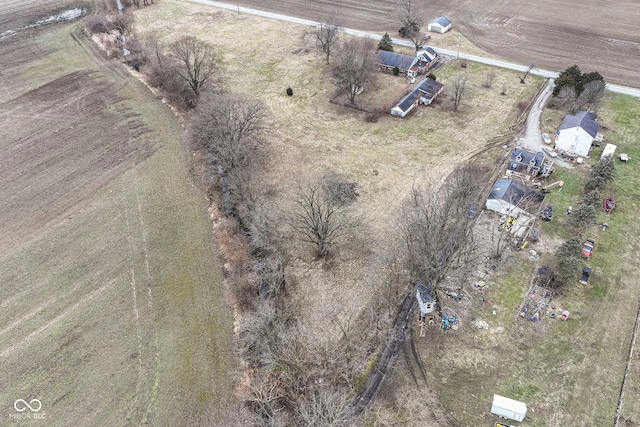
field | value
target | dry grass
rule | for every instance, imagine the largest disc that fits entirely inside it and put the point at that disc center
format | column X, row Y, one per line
column 385, row 158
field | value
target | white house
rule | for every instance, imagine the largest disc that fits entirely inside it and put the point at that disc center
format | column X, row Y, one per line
column 577, row 132
column 439, row 25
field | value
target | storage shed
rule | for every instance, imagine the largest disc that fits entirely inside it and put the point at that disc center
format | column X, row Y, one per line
column 508, row 408
column 426, row 297
column 424, row 93
column 439, row 25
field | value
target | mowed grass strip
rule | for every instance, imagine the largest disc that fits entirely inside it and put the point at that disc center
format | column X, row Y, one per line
column 113, row 312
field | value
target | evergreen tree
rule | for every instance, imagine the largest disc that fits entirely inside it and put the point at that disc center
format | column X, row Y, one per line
column 385, row 43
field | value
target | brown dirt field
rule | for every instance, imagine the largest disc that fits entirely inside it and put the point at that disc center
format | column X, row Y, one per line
column 111, row 304
column 603, row 39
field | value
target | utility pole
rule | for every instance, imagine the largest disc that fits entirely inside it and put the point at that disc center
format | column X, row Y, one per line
column 459, row 41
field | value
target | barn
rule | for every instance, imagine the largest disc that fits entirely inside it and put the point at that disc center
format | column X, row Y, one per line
column 439, row 25
column 423, row 93
column 577, row 132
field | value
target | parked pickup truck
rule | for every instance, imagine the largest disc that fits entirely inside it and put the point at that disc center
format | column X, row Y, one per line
column 587, row 248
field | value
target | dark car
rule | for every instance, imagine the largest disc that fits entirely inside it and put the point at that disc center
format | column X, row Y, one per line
column 586, row 273
column 547, row 213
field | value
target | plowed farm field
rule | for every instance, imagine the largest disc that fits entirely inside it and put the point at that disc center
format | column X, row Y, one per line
column 552, row 34
column 111, row 306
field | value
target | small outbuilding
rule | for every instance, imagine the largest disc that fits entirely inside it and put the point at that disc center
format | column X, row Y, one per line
column 577, row 133
column 439, row 25
column 424, row 93
column 508, row 408
column 426, row 298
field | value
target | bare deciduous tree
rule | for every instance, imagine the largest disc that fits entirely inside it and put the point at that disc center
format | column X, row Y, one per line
column 228, row 129
column 591, row 96
column 523, row 76
column 459, row 86
column 437, row 224
column 489, row 78
column 354, row 66
column 195, row 63
column 411, row 14
column 327, row 34
column 319, row 219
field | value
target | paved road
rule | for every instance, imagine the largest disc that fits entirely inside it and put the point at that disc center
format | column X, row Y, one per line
column 400, row 42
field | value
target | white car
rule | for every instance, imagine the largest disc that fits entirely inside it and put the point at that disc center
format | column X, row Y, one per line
column 546, row 138
column 550, row 151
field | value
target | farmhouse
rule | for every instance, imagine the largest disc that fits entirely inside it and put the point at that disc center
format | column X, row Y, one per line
column 424, row 93
column 410, row 66
column 509, row 197
column 525, row 162
column 577, row 132
column 439, row 25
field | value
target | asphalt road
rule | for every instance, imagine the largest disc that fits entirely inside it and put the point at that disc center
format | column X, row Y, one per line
column 400, row 42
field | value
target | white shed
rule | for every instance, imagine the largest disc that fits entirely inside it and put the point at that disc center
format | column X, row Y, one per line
column 508, row 408
column 439, row 25
column 577, row 132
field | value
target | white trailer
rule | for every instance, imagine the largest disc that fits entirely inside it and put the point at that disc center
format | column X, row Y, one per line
column 508, row 408
column 608, row 151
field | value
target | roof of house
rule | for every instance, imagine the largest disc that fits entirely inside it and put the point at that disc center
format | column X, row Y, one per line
column 425, row 290
column 427, row 54
column 443, row 21
column 392, row 59
column 513, row 192
column 525, row 159
column 583, row 119
column 428, row 88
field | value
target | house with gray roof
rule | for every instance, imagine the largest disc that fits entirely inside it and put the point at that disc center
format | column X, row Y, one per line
column 577, row 132
column 423, row 93
column 509, row 197
column 411, row 66
column 440, row 25
column 526, row 162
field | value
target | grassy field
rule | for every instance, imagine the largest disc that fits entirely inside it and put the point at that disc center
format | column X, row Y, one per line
column 112, row 303
column 385, row 158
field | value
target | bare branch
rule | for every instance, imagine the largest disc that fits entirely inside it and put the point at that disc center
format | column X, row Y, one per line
column 196, row 62
column 327, row 33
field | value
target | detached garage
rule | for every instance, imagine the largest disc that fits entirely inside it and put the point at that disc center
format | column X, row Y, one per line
column 439, row 25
